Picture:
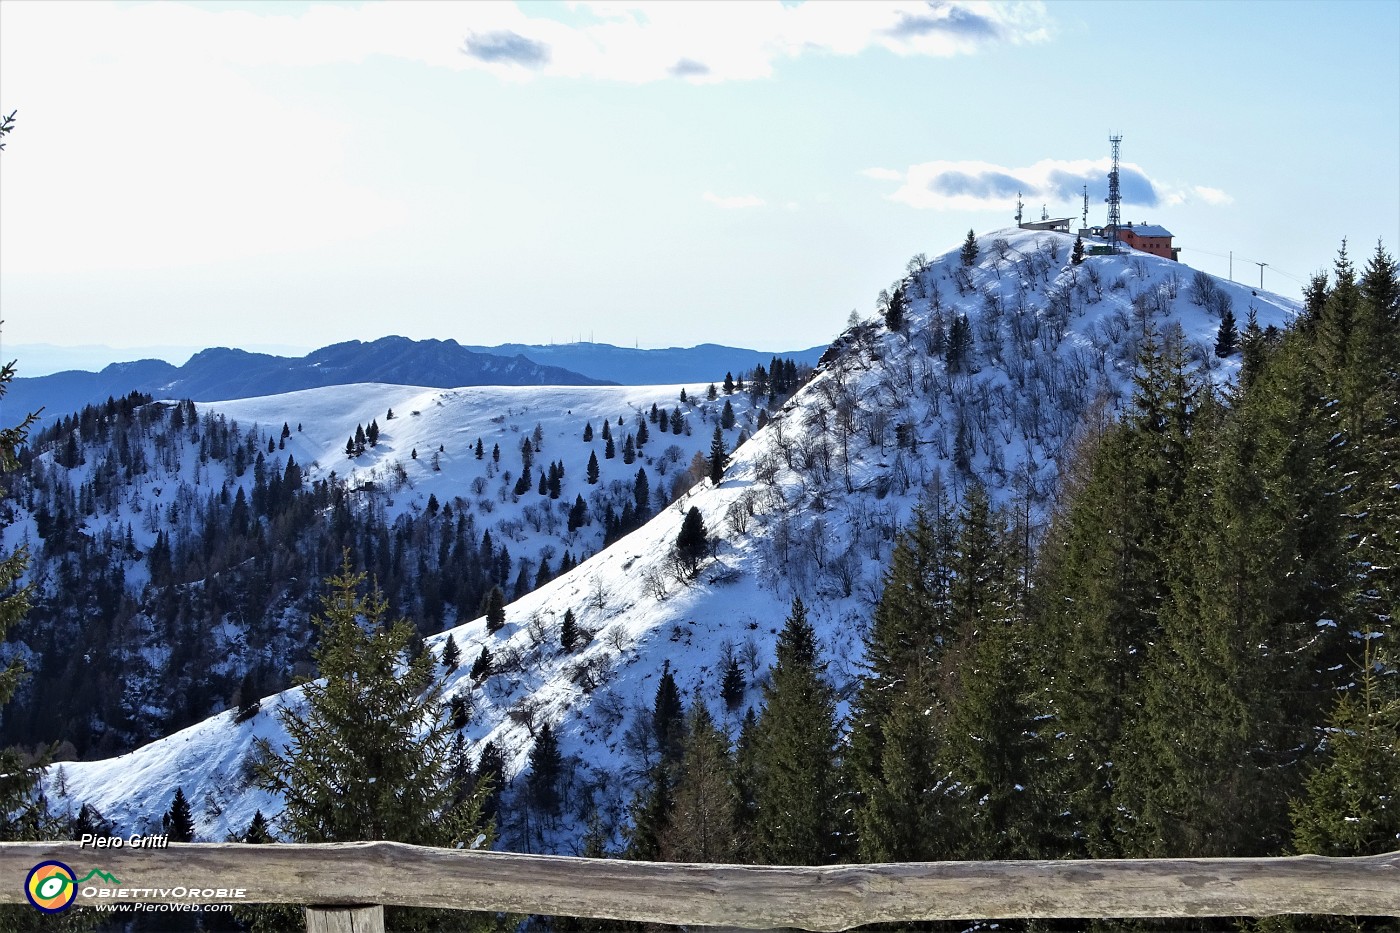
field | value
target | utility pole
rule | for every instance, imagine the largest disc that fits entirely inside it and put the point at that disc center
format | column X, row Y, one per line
column 1261, row 266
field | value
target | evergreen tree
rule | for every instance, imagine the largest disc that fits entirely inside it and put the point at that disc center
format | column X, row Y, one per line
column 592, row 474
column 726, row 416
column 642, row 433
column 703, row 803
column 451, row 654
column 546, row 769
column 578, row 517
column 587, row 431
column 668, row 718
column 693, row 542
column 1076, row 255
column 494, row 608
column 894, row 310
column 719, row 457
column 1227, row 337
column 258, row 831
column 1349, row 803
column 372, row 433
column 892, row 737
column 711, row 393
column 20, row 809
column 733, row 686
column 371, row 730
column 609, row 449
column 179, row 820
column 481, row 667
column 728, row 383
column 629, row 450
column 797, row 791
column 641, row 494
column 248, row 700
column 989, row 750
column 677, row 421
column 968, row 253
column 568, row 632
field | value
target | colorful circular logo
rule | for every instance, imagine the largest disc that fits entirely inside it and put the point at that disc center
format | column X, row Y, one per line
column 51, row 887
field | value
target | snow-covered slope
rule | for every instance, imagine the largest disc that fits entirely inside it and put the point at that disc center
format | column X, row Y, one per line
column 810, row 506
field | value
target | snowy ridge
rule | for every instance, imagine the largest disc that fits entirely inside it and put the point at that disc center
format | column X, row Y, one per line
column 809, row 506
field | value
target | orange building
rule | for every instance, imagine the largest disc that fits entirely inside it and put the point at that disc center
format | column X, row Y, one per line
column 1150, row 238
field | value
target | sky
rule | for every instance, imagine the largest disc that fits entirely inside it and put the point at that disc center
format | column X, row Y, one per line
column 297, row 174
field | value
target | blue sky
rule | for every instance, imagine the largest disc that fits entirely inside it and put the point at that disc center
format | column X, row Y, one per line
column 744, row 173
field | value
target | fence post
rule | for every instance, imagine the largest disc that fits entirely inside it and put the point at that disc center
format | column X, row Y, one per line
column 345, row 919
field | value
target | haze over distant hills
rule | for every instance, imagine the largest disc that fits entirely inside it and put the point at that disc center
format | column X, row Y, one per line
column 628, row 366
column 223, row 373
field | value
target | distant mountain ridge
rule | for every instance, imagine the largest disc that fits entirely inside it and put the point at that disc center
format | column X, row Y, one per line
column 221, row 374
column 707, row 362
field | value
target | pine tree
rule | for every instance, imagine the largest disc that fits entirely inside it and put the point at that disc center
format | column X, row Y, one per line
column 1227, row 337
column 494, row 608
column 641, row 494
column 894, row 311
column 592, row 475
column 726, row 416
column 1349, row 803
column 258, row 831
column 693, row 541
column 179, row 820
column 578, row 517
column 546, row 769
column 797, row 790
column 701, row 826
column 968, row 253
column 372, row 433
column 587, row 431
column 711, row 393
column 733, row 686
column 371, row 730
column 20, row 809
column 677, row 421
column 568, row 632
column 989, row 749
column 1076, row 256
column 629, row 450
column 719, row 457
column 668, row 718
column 481, row 667
column 451, row 654
column 892, row 737
column 248, row 700
column 642, row 434
column 728, row 383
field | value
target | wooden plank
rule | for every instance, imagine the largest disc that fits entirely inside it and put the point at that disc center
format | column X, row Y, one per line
column 752, row 896
column 345, row 919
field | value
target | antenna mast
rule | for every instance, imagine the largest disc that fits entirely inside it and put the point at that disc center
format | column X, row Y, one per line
column 1084, row 220
column 1114, row 199
column 1018, row 208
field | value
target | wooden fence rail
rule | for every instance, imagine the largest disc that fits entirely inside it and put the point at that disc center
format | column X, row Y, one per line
column 335, row 877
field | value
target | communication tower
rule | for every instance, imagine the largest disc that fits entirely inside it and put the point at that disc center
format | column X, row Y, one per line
column 1018, row 208
column 1113, row 198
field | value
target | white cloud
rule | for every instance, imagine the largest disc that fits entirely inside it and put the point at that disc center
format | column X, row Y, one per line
column 1056, row 184
column 733, row 203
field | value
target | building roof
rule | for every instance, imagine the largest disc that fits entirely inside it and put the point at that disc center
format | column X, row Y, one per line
column 1145, row 230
